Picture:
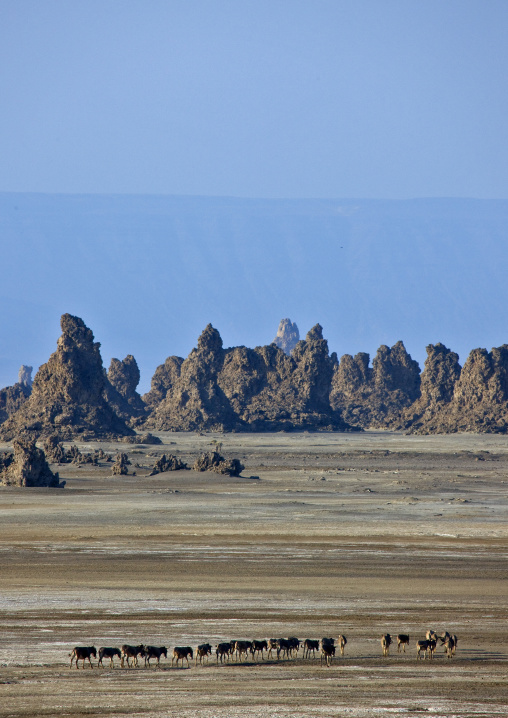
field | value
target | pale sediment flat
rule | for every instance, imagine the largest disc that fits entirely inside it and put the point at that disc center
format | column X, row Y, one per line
column 360, row 534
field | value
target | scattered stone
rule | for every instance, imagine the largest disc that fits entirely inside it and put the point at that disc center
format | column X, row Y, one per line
column 167, row 463
column 27, row 466
column 213, row 461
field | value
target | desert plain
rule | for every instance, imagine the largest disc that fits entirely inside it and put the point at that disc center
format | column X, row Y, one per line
column 323, row 533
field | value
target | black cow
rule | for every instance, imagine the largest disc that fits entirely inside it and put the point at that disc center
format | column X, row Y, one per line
column 181, row 653
column 83, row 653
column 223, row 651
column 203, row 651
column 154, row 652
column 327, row 652
column 259, row 647
column 402, row 640
column 108, row 653
column 310, row 645
column 131, row 652
column 294, row 645
column 242, row 647
column 284, row 646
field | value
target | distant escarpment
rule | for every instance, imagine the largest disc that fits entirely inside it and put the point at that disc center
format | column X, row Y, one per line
column 261, row 389
column 375, row 397
column 68, row 392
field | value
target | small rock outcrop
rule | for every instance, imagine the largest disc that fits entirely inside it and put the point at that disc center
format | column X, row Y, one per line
column 147, row 438
column 376, row 397
column 27, row 466
column 167, row 463
column 68, row 392
column 287, row 336
column 121, row 465
column 213, row 461
column 54, row 450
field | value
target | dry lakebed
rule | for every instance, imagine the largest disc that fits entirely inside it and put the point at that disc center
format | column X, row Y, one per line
column 323, row 533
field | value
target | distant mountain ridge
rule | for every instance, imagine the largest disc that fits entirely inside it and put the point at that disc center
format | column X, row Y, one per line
column 149, row 272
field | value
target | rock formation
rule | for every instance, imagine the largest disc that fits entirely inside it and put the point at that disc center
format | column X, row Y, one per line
column 473, row 399
column 142, row 439
column 120, row 392
column 163, row 381
column 287, row 336
column 376, row 397
column 121, row 465
column 260, row 389
column 12, row 399
column 68, row 392
column 25, row 375
column 27, row 466
column 213, row 461
column 167, row 463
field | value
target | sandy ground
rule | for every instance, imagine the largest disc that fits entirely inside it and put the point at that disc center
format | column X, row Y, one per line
column 356, row 534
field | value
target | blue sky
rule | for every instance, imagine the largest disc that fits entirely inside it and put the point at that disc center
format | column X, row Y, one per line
column 279, row 98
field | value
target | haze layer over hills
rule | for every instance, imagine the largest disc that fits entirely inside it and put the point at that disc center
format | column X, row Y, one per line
column 149, row 272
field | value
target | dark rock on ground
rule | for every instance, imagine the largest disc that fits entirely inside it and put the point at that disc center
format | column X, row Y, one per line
column 287, row 336
column 376, row 397
column 27, row 466
column 213, row 461
column 167, row 463
column 147, row 438
column 120, row 467
column 68, row 392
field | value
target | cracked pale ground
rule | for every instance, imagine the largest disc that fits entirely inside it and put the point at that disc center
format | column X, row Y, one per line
column 336, row 536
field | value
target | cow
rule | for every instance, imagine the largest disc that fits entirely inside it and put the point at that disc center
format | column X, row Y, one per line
column 431, row 635
column 428, row 647
column 223, row 651
column 202, row 651
column 272, row 646
column 180, row 653
column 83, row 653
column 386, row 641
column 284, row 646
column 258, row 647
column 342, row 643
column 242, row 647
column 294, row 646
column 327, row 652
column 310, row 645
column 154, row 652
column 402, row 640
column 450, row 645
column 108, row 653
column 131, row 652
column 444, row 638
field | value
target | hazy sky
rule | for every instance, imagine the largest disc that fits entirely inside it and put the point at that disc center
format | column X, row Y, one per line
column 259, row 98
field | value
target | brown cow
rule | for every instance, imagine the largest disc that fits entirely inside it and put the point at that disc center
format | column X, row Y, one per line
column 83, row 653
column 181, row 653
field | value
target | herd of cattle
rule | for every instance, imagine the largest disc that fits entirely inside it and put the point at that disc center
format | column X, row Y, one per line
column 240, row 650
